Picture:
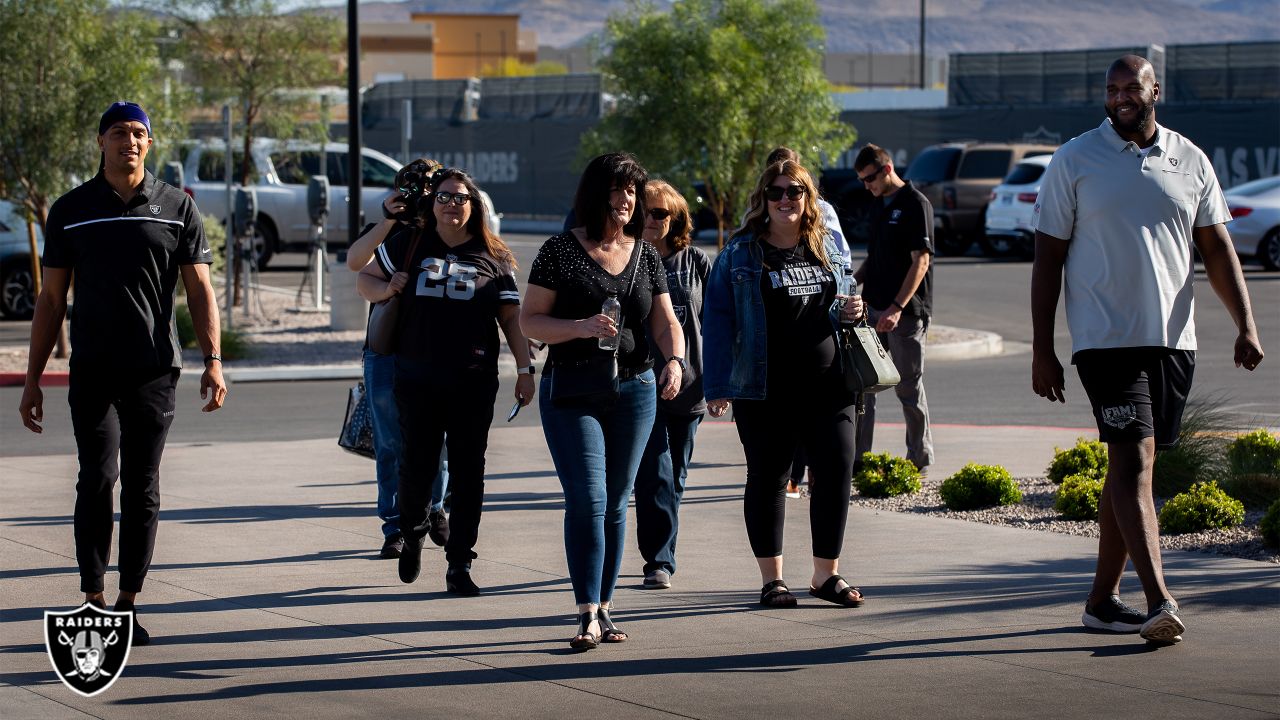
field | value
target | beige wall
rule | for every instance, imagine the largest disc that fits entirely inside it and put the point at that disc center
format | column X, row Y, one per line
column 464, row 44
column 396, row 48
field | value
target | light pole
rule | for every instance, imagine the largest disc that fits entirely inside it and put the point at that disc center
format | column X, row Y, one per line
column 922, row 61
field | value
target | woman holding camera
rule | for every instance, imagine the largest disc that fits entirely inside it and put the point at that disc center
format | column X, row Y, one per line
column 596, row 442
column 458, row 287
column 774, row 300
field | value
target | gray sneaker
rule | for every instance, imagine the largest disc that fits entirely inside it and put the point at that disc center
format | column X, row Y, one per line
column 1112, row 615
column 657, row 580
column 1163, row 626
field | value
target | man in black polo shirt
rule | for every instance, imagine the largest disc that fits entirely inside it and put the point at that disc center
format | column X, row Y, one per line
column 124, row 237
column 897, row 279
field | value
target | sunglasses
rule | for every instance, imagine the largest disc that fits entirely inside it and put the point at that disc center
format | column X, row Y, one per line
column 445, row 198
column 774, row 193
column 659, row 213
column 864, row 179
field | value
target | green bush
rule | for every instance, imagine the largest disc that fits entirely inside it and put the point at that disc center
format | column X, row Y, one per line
column 1204, row 507
column 1270, row 526
column 978, row 486
column 234, row 346
column 1255, row 490
column 1255, row 452
column 1088, row 457
column 883, row 475
column 1200, row 453
column 1077, row 498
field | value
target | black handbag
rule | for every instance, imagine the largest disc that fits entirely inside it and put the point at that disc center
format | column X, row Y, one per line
column 868, row 367
column 591, row 382
column 384, row 321
column 357, row 426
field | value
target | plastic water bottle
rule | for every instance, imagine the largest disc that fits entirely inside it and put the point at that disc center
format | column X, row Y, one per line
column 613, row 309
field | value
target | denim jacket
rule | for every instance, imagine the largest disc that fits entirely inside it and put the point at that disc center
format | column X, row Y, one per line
column 734, row 345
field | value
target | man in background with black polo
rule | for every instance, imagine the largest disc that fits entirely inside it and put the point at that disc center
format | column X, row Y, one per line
column 897, row 280
column 123, row 237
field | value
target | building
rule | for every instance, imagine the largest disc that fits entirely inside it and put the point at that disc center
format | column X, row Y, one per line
column 464, row 45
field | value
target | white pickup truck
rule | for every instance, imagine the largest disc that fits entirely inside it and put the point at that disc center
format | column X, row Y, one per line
column 280, row 171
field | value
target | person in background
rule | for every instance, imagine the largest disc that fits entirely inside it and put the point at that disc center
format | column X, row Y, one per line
column 773, row 304
column 665, row 464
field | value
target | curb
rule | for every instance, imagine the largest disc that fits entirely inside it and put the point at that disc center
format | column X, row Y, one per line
column 49, row 379
column 976, row 344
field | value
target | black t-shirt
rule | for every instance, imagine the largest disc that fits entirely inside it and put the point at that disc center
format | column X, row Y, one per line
column 581, row 287
column 125, row 261
column 449, row 308
column 797, row 292
column 901, row 225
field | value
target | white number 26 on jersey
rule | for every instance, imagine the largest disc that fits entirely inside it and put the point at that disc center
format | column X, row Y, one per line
column 440, row 278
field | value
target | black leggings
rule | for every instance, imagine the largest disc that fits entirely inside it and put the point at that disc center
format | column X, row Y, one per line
column 771, row 431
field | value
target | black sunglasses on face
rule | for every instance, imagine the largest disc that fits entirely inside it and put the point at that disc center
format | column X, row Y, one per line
column 774, row 192
column 444, row 198
column 864, row 179
column 659, row 213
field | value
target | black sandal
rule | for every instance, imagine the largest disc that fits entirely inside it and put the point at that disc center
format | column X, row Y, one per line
column 776, row 594
column 585, row 639
column 850, row 596
column 610, row 632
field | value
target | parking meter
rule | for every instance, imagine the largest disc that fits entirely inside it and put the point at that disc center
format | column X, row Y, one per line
column 246, row 210
column 173, row 174
column 318, row 198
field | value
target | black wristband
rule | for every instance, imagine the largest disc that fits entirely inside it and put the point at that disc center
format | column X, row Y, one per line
column 214, row 356
column 896, row 304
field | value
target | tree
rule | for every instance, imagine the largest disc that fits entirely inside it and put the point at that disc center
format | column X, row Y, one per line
column 245, row 53
column 706, row 90
column 65, row 62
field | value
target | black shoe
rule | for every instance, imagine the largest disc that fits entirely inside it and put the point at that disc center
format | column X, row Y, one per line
column 457, row 580
column 100, row 604
column 585, row 639
column 439, row 532
column 1163, row 626
column 1112, row 615
column 411, row 559
column 140, row 634
column 393, row 547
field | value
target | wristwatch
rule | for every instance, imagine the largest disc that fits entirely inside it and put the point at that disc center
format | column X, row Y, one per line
column 213, row 356
column 526, row 370
column 684, row 366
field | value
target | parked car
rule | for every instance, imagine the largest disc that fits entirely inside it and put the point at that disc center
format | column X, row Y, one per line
column 1011, row 228
column 1255, row 220
column 958, row 178
column 17, row 286
column 280, row 171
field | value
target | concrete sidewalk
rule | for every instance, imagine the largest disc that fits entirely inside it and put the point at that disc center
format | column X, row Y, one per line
column 266, row 600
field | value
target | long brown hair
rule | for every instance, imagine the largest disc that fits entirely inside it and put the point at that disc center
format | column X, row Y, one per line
column 478, row 222
column 660, row 192
column 813, row 231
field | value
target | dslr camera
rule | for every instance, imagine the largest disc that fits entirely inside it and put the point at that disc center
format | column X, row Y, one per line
column 413, row 182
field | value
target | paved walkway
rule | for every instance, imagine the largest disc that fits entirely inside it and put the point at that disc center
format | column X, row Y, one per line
column 266, row 600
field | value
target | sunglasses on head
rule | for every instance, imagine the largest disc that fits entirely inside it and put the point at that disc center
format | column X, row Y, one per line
column 774, row 193
column 658, row 213
column 864, row 179
column 445, row 198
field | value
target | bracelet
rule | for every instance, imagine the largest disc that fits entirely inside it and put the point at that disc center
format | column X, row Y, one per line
column 896, row 304
column 213, row 356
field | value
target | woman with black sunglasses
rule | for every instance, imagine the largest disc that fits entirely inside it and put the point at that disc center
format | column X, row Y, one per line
column 774, row 301
column 458, row 287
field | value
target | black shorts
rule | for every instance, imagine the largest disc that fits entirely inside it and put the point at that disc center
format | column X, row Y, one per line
column 1137, row 392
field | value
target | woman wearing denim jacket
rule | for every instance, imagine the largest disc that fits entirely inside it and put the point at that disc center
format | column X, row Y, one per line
column 596, row 449
column 774, row 300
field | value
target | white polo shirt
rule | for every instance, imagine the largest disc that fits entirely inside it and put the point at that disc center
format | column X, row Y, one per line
column 1129, row 220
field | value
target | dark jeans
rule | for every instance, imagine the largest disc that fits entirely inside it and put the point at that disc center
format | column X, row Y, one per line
column 120, row 420
column 433, row 403
column 660, row 487
column 771, row 430
column 597, row 454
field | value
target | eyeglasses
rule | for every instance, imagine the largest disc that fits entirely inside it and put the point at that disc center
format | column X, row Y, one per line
column 659, row 213
column 774, row 193
column 444, row 198
column 864, row 179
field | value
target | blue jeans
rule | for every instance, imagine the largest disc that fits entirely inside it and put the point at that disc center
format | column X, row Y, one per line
column 596, row 454
column 379, row 383
column 660, row 486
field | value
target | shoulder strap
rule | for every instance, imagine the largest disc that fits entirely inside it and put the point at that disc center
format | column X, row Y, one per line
column 413, row 245
column 635, row 265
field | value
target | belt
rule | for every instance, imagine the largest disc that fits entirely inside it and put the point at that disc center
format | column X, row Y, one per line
column 624, row 373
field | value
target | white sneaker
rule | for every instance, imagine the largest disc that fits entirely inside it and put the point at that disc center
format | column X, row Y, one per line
column 1163, row 626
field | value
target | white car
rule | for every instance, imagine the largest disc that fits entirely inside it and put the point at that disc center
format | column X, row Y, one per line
column 280, row 171
column 1011, row 225
column 1255, row 220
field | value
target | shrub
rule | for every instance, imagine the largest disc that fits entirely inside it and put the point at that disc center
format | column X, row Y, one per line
column 1255, row 490
column 883, row 475
column 978, row 486
column 1270, row 526
column 1199, row 455
column 1255, row 452
column 1204, row 507
column 1078, row 497
column 1088, row 457
column 234, row 346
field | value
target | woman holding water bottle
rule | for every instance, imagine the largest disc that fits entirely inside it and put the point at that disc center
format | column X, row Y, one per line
column 597, row 295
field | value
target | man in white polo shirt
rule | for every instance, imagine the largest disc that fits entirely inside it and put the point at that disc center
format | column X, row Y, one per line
column 1120, row 207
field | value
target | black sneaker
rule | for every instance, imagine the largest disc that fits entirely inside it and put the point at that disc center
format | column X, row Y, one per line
column 1163, row 626
column 411, row 559
column 140, row 634
column 439, row 532
column 392, row 548
column 1112, row 615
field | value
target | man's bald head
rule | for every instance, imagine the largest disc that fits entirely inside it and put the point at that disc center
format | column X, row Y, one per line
column 1132, row 92
column 1136, row 64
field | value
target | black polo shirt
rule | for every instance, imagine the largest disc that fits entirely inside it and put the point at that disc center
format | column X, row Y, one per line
column 125, row 262
column 902, row 225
